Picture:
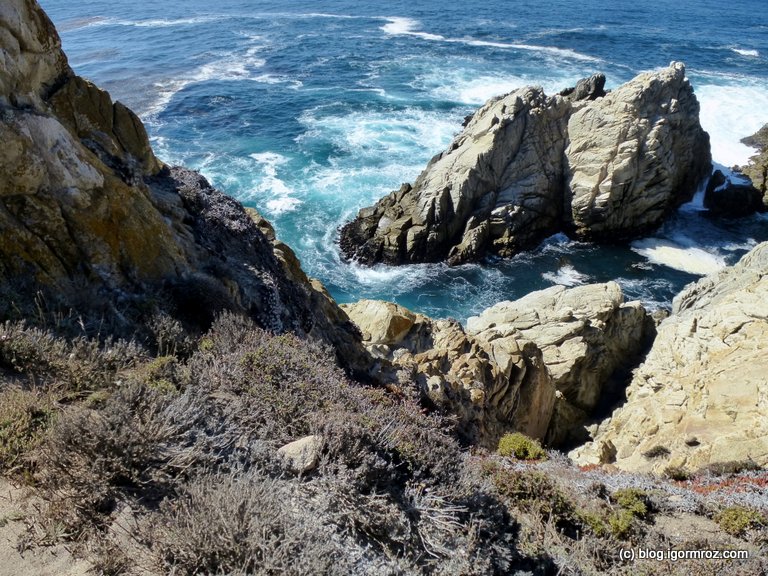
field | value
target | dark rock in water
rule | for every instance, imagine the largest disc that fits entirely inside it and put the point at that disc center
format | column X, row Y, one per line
column 587, row 88
column 602, row 167
column 89, row 216
column 732, row 199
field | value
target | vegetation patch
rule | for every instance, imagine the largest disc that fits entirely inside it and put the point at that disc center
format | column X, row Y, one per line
column 521, row 447
column 736, row 520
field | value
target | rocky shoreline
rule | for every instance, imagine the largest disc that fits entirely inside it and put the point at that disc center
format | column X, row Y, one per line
column 93, row 220
column 189, row 361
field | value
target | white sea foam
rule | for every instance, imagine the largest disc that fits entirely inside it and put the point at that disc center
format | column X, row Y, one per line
column 281, row 196
column 373, row 134
column 467, row 87
column 746, row 52
column 566, row 275
column 691, row 259
column 398, row 26
column 730, row 113
column 80, row 23
column 167, row 23
column 233, row 67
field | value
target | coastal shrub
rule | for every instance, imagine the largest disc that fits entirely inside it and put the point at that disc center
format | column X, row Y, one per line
column 136, row 444
column 622, row 524
column 25, row 415
column 75, row 365
column 632, row 500
column 657, row 452
column 521, row 447
column 730, row 467
column 736, row 520
column 535, row 492
column 677, row 473
column 242, row 524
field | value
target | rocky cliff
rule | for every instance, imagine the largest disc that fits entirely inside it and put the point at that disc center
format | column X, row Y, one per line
column 92, row 220
column 701, row 395
column 540, row 365
column 600, row 167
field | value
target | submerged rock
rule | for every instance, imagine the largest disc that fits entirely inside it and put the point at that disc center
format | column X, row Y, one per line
column 701, row 392
column 540, row 365
column 600, row 167
column 92, row 220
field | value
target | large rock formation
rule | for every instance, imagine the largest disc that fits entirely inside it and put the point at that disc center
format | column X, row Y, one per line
column 540, row 365
column 90, row 217
column 702, row 393
column 600, row 167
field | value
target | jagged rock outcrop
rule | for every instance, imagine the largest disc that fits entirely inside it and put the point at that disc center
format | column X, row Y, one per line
column 540, row 365
column 702, row 392
column 600, row 167
column 586, row 335
column 90, row 217
column 757, row 169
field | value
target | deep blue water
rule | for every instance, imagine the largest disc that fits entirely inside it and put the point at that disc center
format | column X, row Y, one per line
column 310, row 110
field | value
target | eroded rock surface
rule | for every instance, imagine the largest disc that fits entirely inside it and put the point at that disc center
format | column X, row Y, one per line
column 600, row 167
column 539, row 365
column 757, row 169
column 89, row 216
column 702, row 392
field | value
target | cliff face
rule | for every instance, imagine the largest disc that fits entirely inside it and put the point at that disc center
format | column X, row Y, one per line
column 88, row 214
column 600, row 167
column 702, row 392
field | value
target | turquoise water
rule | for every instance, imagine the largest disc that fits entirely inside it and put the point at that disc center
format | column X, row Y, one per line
column 309, row 111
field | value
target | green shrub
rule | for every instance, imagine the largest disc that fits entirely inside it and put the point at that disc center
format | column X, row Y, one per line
column 622, row 524
column 633, row 501
column 536, row 492
column 521, row 447
column 593, row 521
column 730, row 467
column 736, row 520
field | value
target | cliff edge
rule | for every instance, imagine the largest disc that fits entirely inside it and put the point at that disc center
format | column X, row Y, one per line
column 91, row 220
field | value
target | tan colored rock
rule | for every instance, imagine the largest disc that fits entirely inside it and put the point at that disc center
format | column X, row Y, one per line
column 585, row 334
column 634, row 155
column 702, row 391
column 538, row 365
column 386, row 323
column 302, row 455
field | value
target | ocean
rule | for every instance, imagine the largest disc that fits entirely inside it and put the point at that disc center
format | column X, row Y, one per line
column 309, row 111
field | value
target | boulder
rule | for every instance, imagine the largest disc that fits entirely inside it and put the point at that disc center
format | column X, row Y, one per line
column 498, row 185
column 599, row 166
column 701, row 391
column 94, row 223
column 540, row 365
column 302, row 455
